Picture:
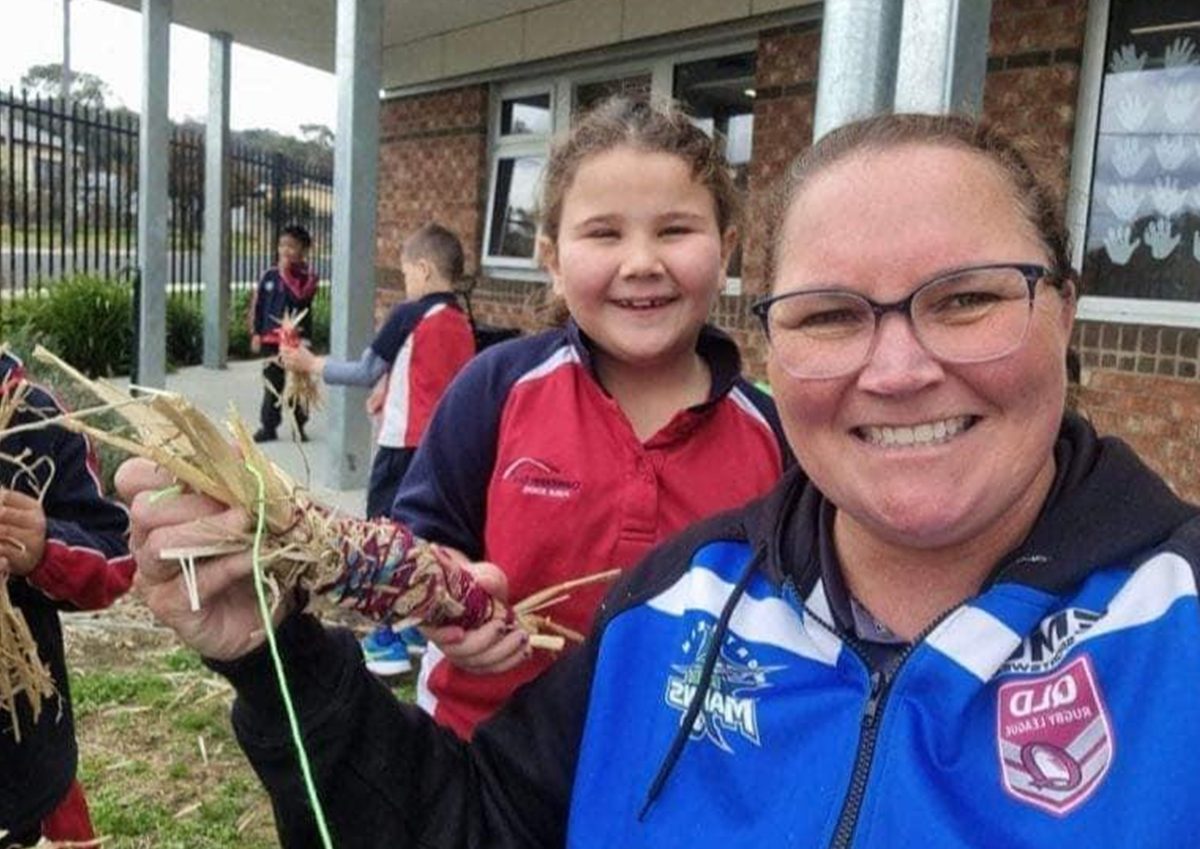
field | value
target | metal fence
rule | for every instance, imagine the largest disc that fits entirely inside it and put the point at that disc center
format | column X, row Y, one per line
column 68, row 199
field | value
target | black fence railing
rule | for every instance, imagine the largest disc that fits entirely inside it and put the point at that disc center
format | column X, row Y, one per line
column 68, row 199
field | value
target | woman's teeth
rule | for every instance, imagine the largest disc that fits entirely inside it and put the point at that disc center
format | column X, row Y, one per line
column 642, row 303
column 928, row 433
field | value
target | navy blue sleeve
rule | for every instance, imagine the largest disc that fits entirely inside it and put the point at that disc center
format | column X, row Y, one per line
column 444, row 493
column 765, row 404
column 260, row 303
column 400, row 322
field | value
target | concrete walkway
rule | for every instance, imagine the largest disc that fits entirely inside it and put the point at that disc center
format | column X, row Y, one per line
column 213, row 390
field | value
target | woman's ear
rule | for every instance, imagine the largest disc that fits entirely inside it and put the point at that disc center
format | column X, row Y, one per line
column 547, row 253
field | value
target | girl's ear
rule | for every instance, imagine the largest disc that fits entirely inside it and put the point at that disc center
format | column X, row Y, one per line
column 729, row 243
column 547, row 252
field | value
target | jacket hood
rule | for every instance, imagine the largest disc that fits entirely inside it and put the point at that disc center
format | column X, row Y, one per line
column 1105, row 507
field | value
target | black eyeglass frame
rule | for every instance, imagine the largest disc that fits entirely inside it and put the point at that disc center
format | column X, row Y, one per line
column 1032, row 272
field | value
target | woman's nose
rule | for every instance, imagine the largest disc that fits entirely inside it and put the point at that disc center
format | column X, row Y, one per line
column 898, row 363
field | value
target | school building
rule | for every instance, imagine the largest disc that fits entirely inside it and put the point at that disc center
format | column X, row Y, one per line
column 472, row 92
column 1111, row 87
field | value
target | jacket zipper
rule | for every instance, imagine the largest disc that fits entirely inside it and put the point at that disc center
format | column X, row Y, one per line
column 881, row 682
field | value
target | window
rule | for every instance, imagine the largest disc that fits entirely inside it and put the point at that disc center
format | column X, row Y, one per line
column 717, row 85
column 1142, row 242
column 523, row 124
column 719, row 92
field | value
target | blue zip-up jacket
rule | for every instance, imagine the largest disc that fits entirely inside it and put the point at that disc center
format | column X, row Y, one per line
column 716, row 704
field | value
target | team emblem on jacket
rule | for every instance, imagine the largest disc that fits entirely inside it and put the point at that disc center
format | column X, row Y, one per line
column 1055, row 738
column 729, row 701
column 537, row 477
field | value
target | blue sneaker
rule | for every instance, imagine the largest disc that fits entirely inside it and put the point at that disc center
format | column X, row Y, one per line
column 385, row 652
column 414, row 641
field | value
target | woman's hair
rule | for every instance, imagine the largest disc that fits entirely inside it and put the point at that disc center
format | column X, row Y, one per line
column 885, row 132
column 654, row 128
column 300, row 234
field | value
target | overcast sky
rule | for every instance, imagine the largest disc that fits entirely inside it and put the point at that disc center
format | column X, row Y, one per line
column 267, row 92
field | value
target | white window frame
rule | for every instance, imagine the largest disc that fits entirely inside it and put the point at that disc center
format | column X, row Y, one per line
column 1087, row 121
column 562, row 86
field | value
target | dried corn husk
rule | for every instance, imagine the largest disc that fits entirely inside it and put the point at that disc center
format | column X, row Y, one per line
column 22, row 672
column 375, row 566
column 300, row 389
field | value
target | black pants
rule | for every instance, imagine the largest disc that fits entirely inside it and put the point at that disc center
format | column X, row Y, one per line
column 386, row 474
column 271, row 413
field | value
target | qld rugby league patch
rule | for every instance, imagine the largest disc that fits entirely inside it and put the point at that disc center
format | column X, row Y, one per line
column 1054, row 737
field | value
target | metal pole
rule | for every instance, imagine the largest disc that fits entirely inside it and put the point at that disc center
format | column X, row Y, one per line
column 943, row 56
column 857, row 73
column 355, row 172
column 215, row 272
column 153, row 151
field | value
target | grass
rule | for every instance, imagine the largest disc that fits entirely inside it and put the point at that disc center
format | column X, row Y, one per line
column 158, row 758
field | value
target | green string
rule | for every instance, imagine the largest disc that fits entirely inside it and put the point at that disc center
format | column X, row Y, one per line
column 265, row 609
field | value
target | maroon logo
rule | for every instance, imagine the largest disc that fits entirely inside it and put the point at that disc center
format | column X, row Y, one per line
column 536, row 477
column 1054, row 736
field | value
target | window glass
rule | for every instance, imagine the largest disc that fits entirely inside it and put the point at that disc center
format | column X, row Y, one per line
column 525, row 116
column 1143, row 229
column 719, row 93
column 588, row 95
column 513, row 226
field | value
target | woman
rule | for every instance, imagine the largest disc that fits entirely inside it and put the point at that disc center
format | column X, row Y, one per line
column 941, row 635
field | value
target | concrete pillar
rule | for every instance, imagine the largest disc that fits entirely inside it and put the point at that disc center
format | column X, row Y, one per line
column 943, row 56
column 355, row 176
column 215, row 261
column 154, row 141
column 856, row 77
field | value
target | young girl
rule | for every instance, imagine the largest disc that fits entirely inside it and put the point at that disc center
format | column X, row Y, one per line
column 577, row 450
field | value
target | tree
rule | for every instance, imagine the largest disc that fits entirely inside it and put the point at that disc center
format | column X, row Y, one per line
column 317, row 134
column 46, row 81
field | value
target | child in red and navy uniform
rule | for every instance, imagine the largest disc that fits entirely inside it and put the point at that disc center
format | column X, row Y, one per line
column 421, row 346
column 66, row 552
column 286, row 287
column 579, row 449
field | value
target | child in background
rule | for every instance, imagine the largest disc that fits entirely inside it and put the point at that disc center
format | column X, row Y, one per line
column 66, row 552
column 287, row 287
column 579, row 449
column 423, row 344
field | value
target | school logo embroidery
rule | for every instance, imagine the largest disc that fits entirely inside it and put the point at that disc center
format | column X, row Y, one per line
column 729, row 703
column 1055, row 739
column 539, row 478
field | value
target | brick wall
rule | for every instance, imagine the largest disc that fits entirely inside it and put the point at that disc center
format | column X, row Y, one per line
column 432, row 167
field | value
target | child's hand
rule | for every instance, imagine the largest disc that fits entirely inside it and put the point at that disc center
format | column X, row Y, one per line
column 299, row 358
column 227, row 625
column 255, row 343
column 492, row 648
column 377, row 397
column 22, row 532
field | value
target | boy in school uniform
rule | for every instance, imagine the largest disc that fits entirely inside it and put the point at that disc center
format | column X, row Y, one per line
column 423, row 343
column 286, row 287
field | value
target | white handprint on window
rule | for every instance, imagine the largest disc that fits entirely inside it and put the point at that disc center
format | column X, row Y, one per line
column 1167, row 197
column 1170, row 151
column 1178, row 103
column 1126, row 59
column 1161, row 238
column 1128, row 156
column 1132, row 110
column 1119, row 244
column 1179, row 56
column 1123, row 201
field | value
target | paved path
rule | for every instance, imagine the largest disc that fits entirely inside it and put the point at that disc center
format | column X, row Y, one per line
column 213, row 390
